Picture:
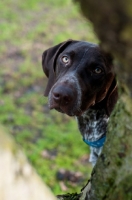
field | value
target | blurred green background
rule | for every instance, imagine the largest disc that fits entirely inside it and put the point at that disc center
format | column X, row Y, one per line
column 50, row 140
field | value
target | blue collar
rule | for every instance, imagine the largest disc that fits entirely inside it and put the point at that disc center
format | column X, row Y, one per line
column 97, row 143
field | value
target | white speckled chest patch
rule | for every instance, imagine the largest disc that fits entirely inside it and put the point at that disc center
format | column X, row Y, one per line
column 93, row 126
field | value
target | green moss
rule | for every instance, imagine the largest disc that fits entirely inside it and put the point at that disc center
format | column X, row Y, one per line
column 113, row 167
column 123, row 190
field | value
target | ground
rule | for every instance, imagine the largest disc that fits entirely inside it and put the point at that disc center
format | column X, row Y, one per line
column 27, row 28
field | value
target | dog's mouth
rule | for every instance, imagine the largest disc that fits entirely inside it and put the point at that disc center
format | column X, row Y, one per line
column 66, row 110
column 71, row 114
column 71, row 109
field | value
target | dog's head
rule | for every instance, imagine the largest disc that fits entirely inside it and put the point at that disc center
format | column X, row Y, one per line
column 80, row 76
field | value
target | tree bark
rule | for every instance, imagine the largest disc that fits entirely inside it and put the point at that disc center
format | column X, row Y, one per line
column 111, row 178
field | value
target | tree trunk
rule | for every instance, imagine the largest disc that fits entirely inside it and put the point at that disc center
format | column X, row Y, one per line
column 111, row 178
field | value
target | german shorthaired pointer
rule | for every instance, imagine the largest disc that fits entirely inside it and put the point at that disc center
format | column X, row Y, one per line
column 82, row 84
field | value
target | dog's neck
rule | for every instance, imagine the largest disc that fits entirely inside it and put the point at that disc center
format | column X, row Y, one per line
column 93, row 123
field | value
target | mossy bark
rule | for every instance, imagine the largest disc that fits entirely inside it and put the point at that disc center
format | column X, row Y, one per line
column 112, row 176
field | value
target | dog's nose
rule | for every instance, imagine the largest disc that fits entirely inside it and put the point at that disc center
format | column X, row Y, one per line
column 62, row 95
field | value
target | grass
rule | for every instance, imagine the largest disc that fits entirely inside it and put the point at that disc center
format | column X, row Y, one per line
column 50, row 140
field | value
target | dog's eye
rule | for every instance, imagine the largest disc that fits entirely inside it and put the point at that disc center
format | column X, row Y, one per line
column 97, row 70
column 65, row 59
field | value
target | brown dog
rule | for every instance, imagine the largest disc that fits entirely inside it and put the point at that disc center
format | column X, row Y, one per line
column 82, row 84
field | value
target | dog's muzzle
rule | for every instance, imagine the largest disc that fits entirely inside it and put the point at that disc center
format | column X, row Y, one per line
column 65, row 97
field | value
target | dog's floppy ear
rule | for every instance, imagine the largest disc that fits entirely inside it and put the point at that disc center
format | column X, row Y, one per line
column 48, row 62
column 111, row 97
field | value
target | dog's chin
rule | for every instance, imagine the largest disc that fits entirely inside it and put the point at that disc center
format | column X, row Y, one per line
column 69, row 113
column 66, row 110
column 59, row 110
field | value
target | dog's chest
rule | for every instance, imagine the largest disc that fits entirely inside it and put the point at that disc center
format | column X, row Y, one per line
column 93, row 124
